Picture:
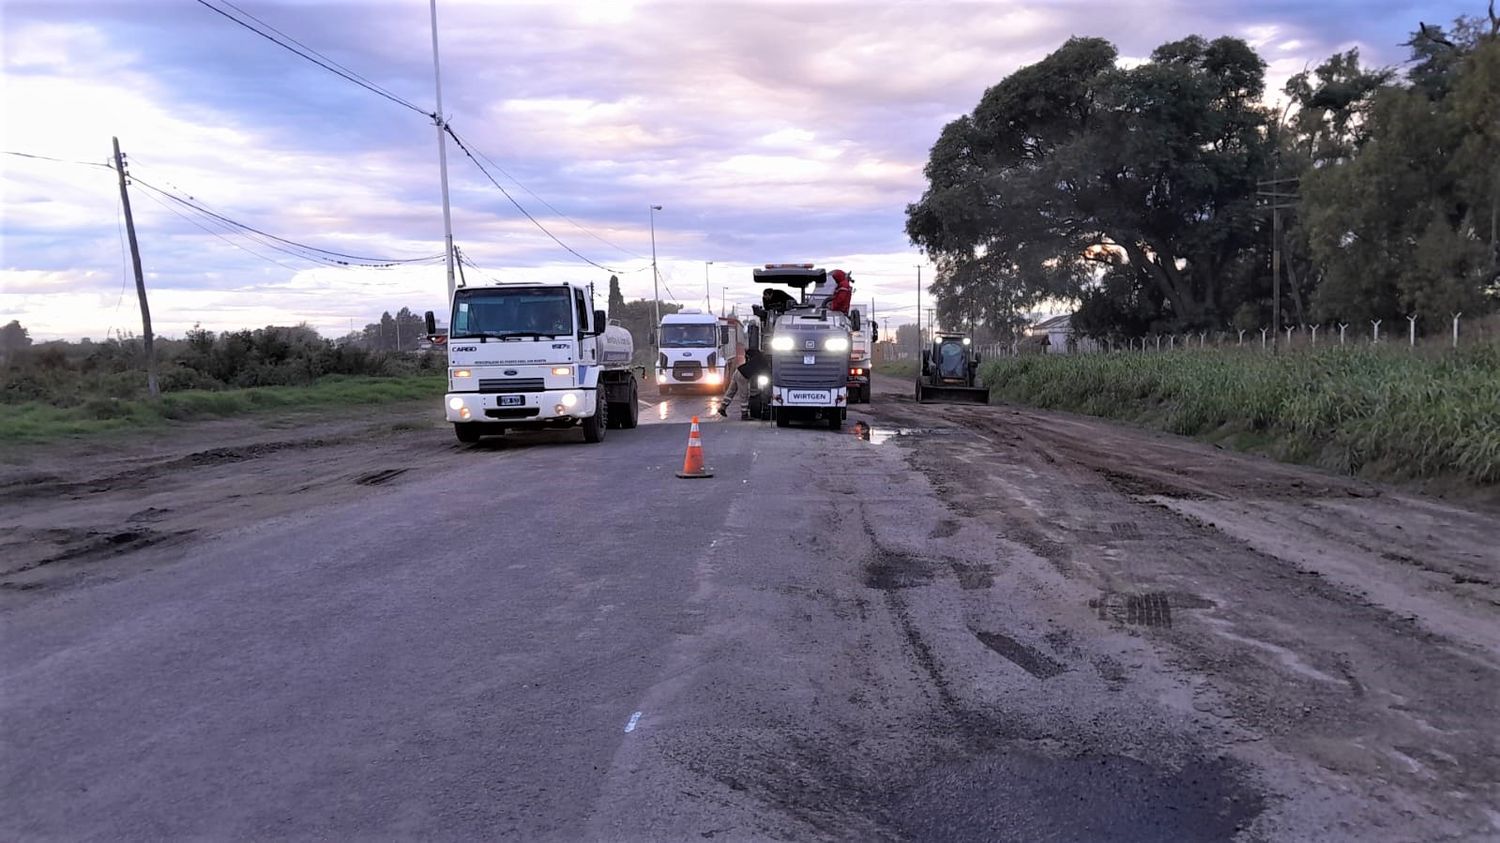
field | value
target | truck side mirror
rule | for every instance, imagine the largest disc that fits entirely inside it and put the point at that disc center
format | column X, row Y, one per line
column 431, row 323
column 854, row 319
column 600, row 322
column 723, row 335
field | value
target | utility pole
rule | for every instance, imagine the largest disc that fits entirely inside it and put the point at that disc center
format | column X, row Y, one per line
column 655, row 276
column 437, row 120
column 1279, row 199
column 140, row 279
column 708, row 296
column 919, row 312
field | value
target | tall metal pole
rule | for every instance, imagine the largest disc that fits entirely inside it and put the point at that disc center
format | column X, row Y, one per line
column 147, row 337
column 708, row 296
column 919, row 312
column 437, row 120
column 655, row 276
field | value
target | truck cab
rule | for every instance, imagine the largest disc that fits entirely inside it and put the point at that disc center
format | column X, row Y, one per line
column 526, row 356
column 695, row 352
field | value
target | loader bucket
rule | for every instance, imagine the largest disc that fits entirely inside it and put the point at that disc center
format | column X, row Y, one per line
column 938, row 394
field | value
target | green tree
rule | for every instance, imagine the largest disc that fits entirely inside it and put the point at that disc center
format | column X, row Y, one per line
column 1074, row 167
column 14, row 337
column 1406, row 225
column 616, row 298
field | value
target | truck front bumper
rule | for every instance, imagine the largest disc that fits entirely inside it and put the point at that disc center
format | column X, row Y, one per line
column 553, row 405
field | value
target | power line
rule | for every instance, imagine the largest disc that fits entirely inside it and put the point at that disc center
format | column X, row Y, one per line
column 574, row 252
column 316, row 253
column 328, row 65
column 554, row 209
column 206, row 229
column 58, row 160
column 312, row 55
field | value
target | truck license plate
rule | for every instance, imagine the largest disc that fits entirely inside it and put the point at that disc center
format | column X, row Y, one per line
column 809, row 359
column 512, row 400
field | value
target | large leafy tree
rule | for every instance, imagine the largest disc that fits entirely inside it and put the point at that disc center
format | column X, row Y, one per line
column 1406, row 225
column 1074, row 168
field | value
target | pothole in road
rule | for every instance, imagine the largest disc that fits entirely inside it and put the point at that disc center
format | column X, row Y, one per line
column 376, row 478
column 1021, row 795
column 890, row 571
column 1148, row 609
column 1029, row 659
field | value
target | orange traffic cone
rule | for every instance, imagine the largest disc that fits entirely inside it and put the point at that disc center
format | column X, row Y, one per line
column 692, row 462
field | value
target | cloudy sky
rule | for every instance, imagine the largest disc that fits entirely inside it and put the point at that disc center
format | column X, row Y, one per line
column 768, row 131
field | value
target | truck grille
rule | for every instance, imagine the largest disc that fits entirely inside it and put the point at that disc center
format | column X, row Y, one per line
column 831, row 371
column 511, row 412
column 687, row 371
column 494, row 385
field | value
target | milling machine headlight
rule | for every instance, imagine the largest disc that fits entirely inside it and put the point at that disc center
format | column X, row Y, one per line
column 967, row 340
column 781, row 343
column 837, row 344
column 569, row 399
column 762, row 380
column 455, row 404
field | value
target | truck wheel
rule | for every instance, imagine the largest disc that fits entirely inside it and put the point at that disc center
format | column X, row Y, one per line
column 782, row 419
column 595, row 425
column 467, row 432
column 630, row 413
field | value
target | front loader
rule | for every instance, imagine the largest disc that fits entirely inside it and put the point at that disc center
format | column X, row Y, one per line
column 950, row 373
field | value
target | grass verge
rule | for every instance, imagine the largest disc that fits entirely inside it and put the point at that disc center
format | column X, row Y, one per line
column 33, row 421
column 1381, row 413
column 897, row 368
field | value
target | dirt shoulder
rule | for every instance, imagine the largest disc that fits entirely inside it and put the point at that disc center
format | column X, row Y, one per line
column 1330, row 631
column 77, row 511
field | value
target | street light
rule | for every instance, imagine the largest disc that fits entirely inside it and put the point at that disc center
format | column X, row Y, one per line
column 655, row 276
column 708, row 296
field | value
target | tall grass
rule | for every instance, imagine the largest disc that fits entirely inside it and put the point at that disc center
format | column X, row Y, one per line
column 37, row 421
column 1379, row 411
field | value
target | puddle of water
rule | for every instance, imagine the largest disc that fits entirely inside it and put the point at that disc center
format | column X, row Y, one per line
column 880, row 435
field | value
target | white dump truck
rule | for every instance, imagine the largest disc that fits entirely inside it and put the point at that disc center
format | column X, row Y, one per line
column 529, row 356
column 695, row 352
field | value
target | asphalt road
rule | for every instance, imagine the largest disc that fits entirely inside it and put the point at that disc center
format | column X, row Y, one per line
column 936, row 633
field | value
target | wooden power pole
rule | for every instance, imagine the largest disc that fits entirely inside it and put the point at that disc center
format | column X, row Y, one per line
column 140, row 279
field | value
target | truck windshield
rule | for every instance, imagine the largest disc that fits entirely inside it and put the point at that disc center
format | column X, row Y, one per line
column 689, row 336
column 522, row 312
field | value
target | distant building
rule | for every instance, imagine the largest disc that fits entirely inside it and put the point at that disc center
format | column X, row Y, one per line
column 1055, row 334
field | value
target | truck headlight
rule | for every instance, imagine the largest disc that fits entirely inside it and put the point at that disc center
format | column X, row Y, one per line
column 837, row 344
column 461, row 373
column 762, row 380
column 781, row 343
column 455, row 404
column 968, row 341
column 562, row 371
column 569, row 399
column 712, row 377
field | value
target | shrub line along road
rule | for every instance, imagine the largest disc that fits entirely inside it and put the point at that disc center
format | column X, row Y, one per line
column 982, row 623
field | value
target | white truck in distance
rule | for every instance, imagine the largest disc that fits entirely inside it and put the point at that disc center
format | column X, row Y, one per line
column 529, row 356
column 695, row 352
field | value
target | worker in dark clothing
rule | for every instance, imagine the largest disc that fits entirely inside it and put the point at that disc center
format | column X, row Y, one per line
column 756, row 364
